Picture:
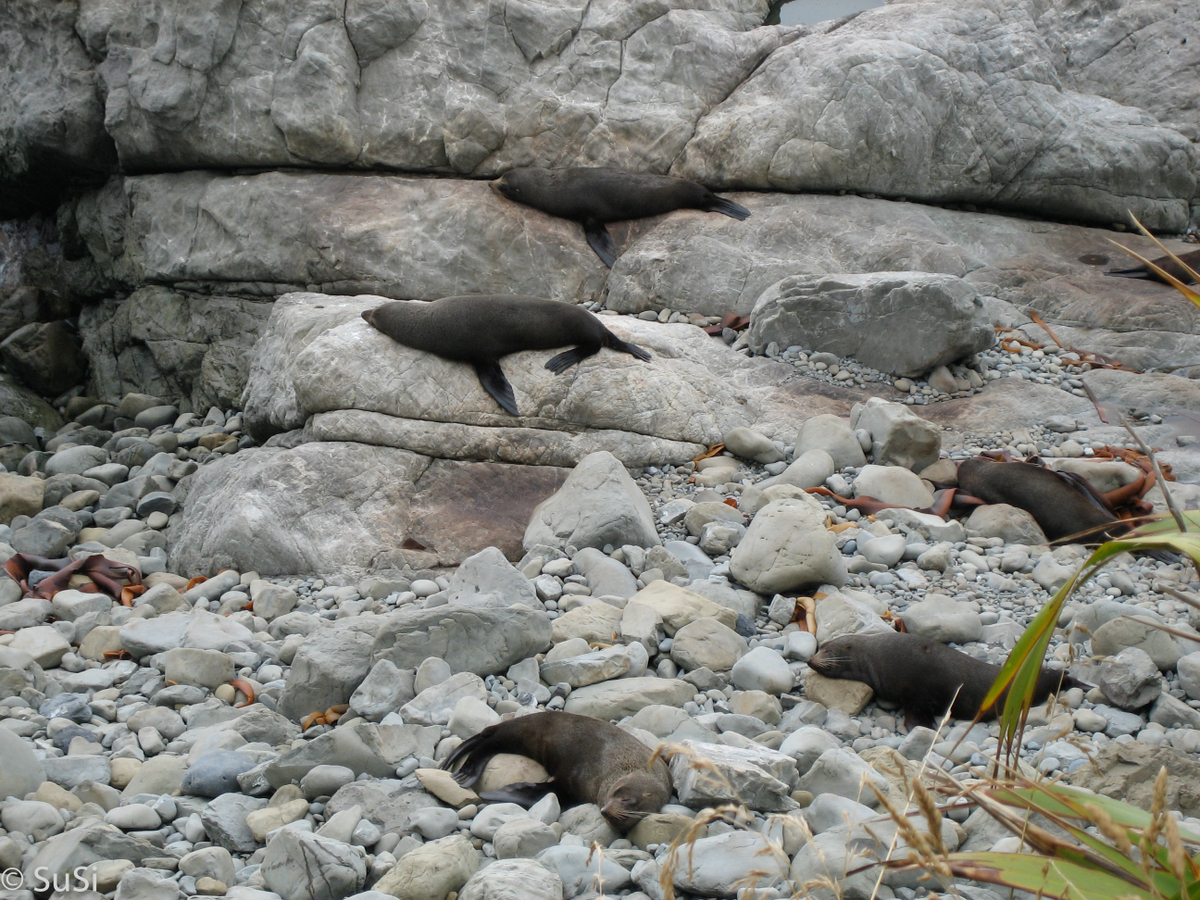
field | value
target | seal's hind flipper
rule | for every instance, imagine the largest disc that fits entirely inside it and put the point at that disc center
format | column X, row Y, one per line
column 524, row 793
column 631, row 349
column 491, row 376
column 728, row 207
column 600, row 240
column 566, row 359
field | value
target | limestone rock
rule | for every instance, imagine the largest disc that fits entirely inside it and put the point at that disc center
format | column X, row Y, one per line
column 901, row 322
column 761, row 778
column 598, row 504
column 833, row 435
column 899, row 437
column 797, row 122
column 311, row 867
column 381, row 507
column 513, row 879
column 785, row 547
column 1128, row 771
column 431, row 871
column 480, row 640
column 1012, row 525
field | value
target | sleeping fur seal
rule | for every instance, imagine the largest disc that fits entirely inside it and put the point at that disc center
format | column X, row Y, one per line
column 920, row 674
column 594, row 196
column 1191, row 259
column 589, row 761
column 481, row 329
column 1059, row 503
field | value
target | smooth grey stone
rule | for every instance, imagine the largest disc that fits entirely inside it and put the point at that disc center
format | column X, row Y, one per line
column 582, row 871
column 67, row 706
column 216, row 773
column 224, row 821
column 310, row 867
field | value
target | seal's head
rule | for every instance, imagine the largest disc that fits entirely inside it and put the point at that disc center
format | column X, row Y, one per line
column 634, row 797
column 509, row 185
column 832, row 659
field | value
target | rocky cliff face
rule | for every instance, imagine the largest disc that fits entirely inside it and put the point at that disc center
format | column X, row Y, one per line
column 917, row 173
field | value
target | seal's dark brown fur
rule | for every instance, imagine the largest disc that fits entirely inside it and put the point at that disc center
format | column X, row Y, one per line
column 594, row 196
column 589, row 761
column 1060, row 505
column 919, row 674
column 1191, row 260
column 481, row 329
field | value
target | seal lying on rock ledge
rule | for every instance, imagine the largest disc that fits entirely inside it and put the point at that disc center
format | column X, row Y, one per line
column 920, row 674
column 1191, row 260
column 594, row 196
column 589, row 761
column 481, row 329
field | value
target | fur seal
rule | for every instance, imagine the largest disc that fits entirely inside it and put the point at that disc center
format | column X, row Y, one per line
column 1058, row 502
column 920, row 674
column 1192, row 260
column 481, row 329
column 589, row 761
column 594, row 196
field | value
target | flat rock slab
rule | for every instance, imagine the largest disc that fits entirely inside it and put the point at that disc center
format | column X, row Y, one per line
column 345, row 234
column 379, row 507
column 319, row 363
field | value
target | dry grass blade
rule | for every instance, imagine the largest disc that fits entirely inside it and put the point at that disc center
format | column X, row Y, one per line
column 1184, row 289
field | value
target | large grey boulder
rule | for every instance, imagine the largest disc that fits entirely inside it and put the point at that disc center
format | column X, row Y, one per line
column 319, row 359
column 483, row 640
column 786, row 547
column 598, row 504
column 380, row 507
column 329, row 666
column 172, row 344
column 900, row 322
column 939, row 101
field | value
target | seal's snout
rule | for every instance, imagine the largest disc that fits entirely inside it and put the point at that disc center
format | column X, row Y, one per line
column 367, row 315
column 497, row 186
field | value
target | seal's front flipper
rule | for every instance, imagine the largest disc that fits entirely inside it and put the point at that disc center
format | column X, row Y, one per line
column 600, row 240
column 491, row 376
column 566, row 359
column 525, row 793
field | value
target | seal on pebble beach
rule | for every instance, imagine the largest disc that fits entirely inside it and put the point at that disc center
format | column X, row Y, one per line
column 920, row 674
column 1058, row 502
column 589, row 761
column 594, row 196
column 480, row 329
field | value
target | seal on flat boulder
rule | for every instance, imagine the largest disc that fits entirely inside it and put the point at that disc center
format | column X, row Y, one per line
column 1191, row 260
column 1062, row 504
column 923, row 676
column 589, row 761
column 594, row 196
column 481, row 329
